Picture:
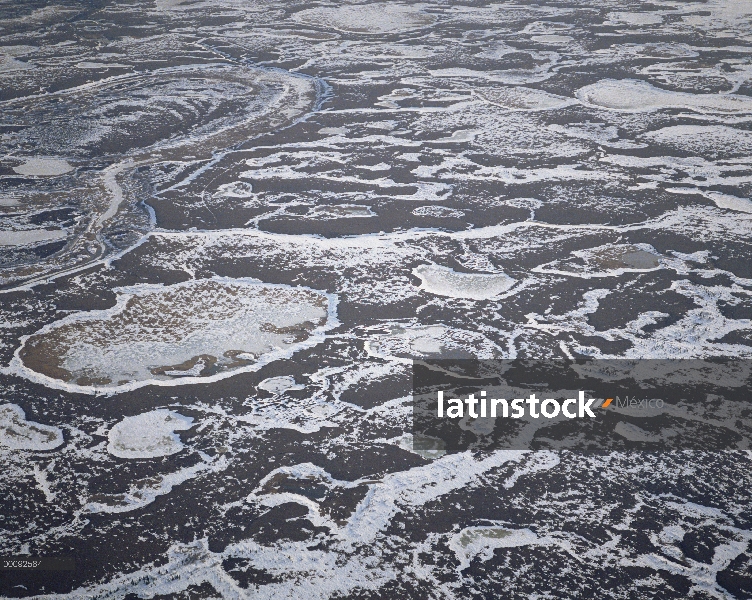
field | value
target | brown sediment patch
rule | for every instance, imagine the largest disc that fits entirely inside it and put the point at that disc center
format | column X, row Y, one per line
column 195, row 329
column 111, row 500
column 298, row 333
column 39, row 354
column 207, row 360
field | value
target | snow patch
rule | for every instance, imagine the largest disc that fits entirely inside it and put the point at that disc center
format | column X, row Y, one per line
column 279, row 385
column 30, row 236
column 44, row 167
column 148, row 435
column 368, row 18
column 444, row 281
column 638, row 96
column 17, row 433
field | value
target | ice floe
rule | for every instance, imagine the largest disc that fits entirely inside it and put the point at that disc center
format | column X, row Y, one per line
column 148, row 435
column 605, row 261
column 444, row 281
column 341, row 211
column 707, row 140
column 201, row 329
column 635, row 95
column 279, row 385
column 86, row 64
column 633, row 433
column 442, row 212
column 406, row 341
column 636, row 18
column 376, row 18
column 551, row 38
column 428, row 447
column 523, row 98
column 730, row 202
column 30, row 236
column 236, row 189
column 17, row 433
column 481, row 542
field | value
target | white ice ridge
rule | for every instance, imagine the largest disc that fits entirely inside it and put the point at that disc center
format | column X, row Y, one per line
column 444, row 281
column 148, row 435
column 698, row 334
column 420, row 485
column 386, row 242
column 389, row 254
column 703, row 575
column 143, row 492
column 721, row 200
column 17, row 433
column 635, row 95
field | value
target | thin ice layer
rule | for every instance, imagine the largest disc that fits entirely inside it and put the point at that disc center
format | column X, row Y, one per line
column 444, row 281
column 367, row 18
column 200, row 328
column 148, row 435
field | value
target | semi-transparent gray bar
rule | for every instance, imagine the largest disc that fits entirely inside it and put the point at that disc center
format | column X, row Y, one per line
column 37, row 563
column 584, row 405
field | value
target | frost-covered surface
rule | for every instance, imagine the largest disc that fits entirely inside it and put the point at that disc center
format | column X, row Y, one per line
column 474, row 286
column 29, row 236
column 481, row 542
column 175, row 334
column 148, row 435
column 249, row 216
column 43, row 167
column 372, row 18
column 17, row 433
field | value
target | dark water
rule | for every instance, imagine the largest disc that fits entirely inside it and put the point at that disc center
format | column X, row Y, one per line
column 227, row 227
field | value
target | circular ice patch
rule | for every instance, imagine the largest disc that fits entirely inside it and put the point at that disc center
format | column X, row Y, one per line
column 43, row 167
column 148, row 435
